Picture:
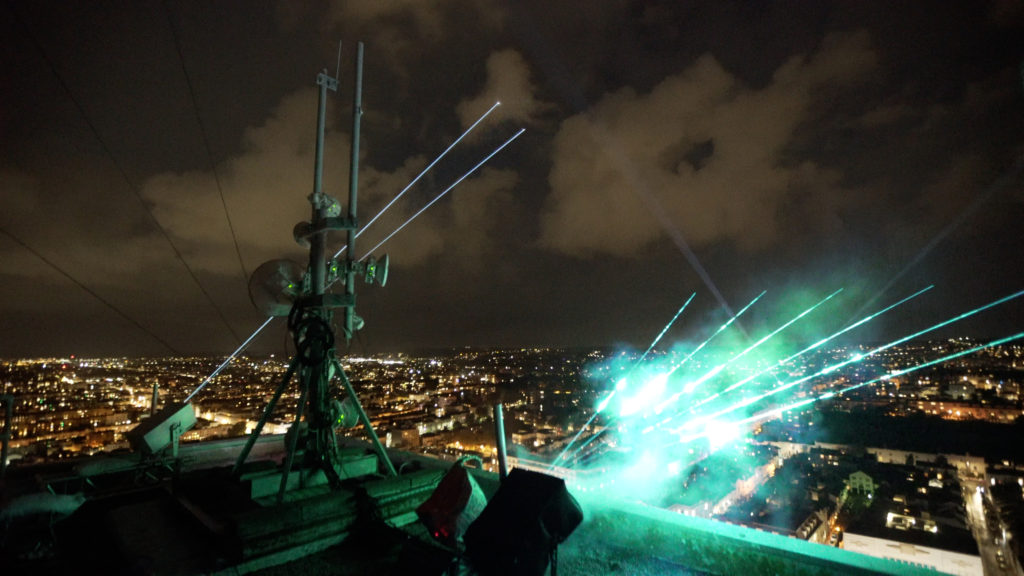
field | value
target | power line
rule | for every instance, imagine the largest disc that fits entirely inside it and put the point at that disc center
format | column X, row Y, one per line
column 206, row 140
column 74, row 280
column 106, row 149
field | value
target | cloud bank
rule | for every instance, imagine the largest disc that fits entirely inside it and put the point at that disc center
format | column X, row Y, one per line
column 700, row 152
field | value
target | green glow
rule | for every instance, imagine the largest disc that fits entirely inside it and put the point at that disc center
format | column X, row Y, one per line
column 721, row 433
column 645, row 421
column 650, row 392
column 717, row 332
column 824, row 341
column 689, row 386
column 718, row 369
column 621, row 385
column 714, row 372
column 832, row 368
column 777, row 411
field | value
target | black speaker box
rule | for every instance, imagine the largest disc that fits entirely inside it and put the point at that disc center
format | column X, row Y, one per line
column 529, row 515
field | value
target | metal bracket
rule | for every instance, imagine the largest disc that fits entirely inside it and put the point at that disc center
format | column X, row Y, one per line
column 322, row 79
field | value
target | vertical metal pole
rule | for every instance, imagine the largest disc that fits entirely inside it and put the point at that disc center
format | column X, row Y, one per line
column 318, row 241
column 314, row 375
column 353, row 188
column 156, row 398
column 499, row 440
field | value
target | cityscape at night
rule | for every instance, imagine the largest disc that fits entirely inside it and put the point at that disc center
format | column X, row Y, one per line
column 487, row 287
column 840, row 472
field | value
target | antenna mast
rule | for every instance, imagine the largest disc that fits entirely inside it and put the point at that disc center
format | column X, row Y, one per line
column 310, row 316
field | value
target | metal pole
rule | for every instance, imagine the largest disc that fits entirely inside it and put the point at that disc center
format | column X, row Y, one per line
column 318, row 241
column 314, row 375
column 353, row 187
column 499, row 438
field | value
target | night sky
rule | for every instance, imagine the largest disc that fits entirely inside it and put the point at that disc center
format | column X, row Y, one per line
column 719, row 147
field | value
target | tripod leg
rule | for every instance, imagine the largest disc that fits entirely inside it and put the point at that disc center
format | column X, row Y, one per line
column 365, row 419
column 293, row 441
column 263, row 419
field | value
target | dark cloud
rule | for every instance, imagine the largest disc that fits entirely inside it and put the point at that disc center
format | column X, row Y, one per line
column 796, row 147
column 626, row 168
column 508, row 82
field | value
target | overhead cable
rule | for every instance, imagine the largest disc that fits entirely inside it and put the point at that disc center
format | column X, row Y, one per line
column 88, row 290
column 206, row 140
column 131, row 185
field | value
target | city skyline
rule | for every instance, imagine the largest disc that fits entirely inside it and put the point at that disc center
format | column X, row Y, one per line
column 716, row 148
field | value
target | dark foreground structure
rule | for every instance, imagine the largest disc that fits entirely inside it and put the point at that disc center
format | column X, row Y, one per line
column 190, row 516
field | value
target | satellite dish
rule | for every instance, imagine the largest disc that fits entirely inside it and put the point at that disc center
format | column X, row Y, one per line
column 275, row 285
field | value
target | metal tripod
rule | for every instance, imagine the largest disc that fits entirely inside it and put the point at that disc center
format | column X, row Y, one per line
column 310, row 318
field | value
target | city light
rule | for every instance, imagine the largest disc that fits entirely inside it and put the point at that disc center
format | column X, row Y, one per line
column 693, row 401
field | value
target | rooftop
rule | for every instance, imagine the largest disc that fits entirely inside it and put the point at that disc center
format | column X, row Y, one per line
column 189, row 516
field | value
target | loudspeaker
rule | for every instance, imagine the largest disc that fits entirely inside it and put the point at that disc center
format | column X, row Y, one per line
column 529, row 515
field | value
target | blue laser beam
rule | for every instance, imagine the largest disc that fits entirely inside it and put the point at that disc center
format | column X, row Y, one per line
column 229, row 359
column 267, row 322
column 420, row 175
column 446, row 190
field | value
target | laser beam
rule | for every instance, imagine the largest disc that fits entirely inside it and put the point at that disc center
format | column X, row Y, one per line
column 665, row 329
column 690, row 386
column 719, row 331
column 604, row 403
column 810, row 348
column 420, row 175
column 782, row 409
column 823, row 341
column 267, row 322
column 860, row 357
column 228, row 360
column 445, row 191
column 623, row 383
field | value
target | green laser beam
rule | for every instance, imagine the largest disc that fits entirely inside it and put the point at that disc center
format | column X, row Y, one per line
column 604, row 403
column 717, row 332
column 780, row 410
column 713, row 372
column 810, row 348
column 860, row 357
column 691, row 386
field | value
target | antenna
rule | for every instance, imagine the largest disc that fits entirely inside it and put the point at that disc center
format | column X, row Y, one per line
column 337, row 69
column 276, row 284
